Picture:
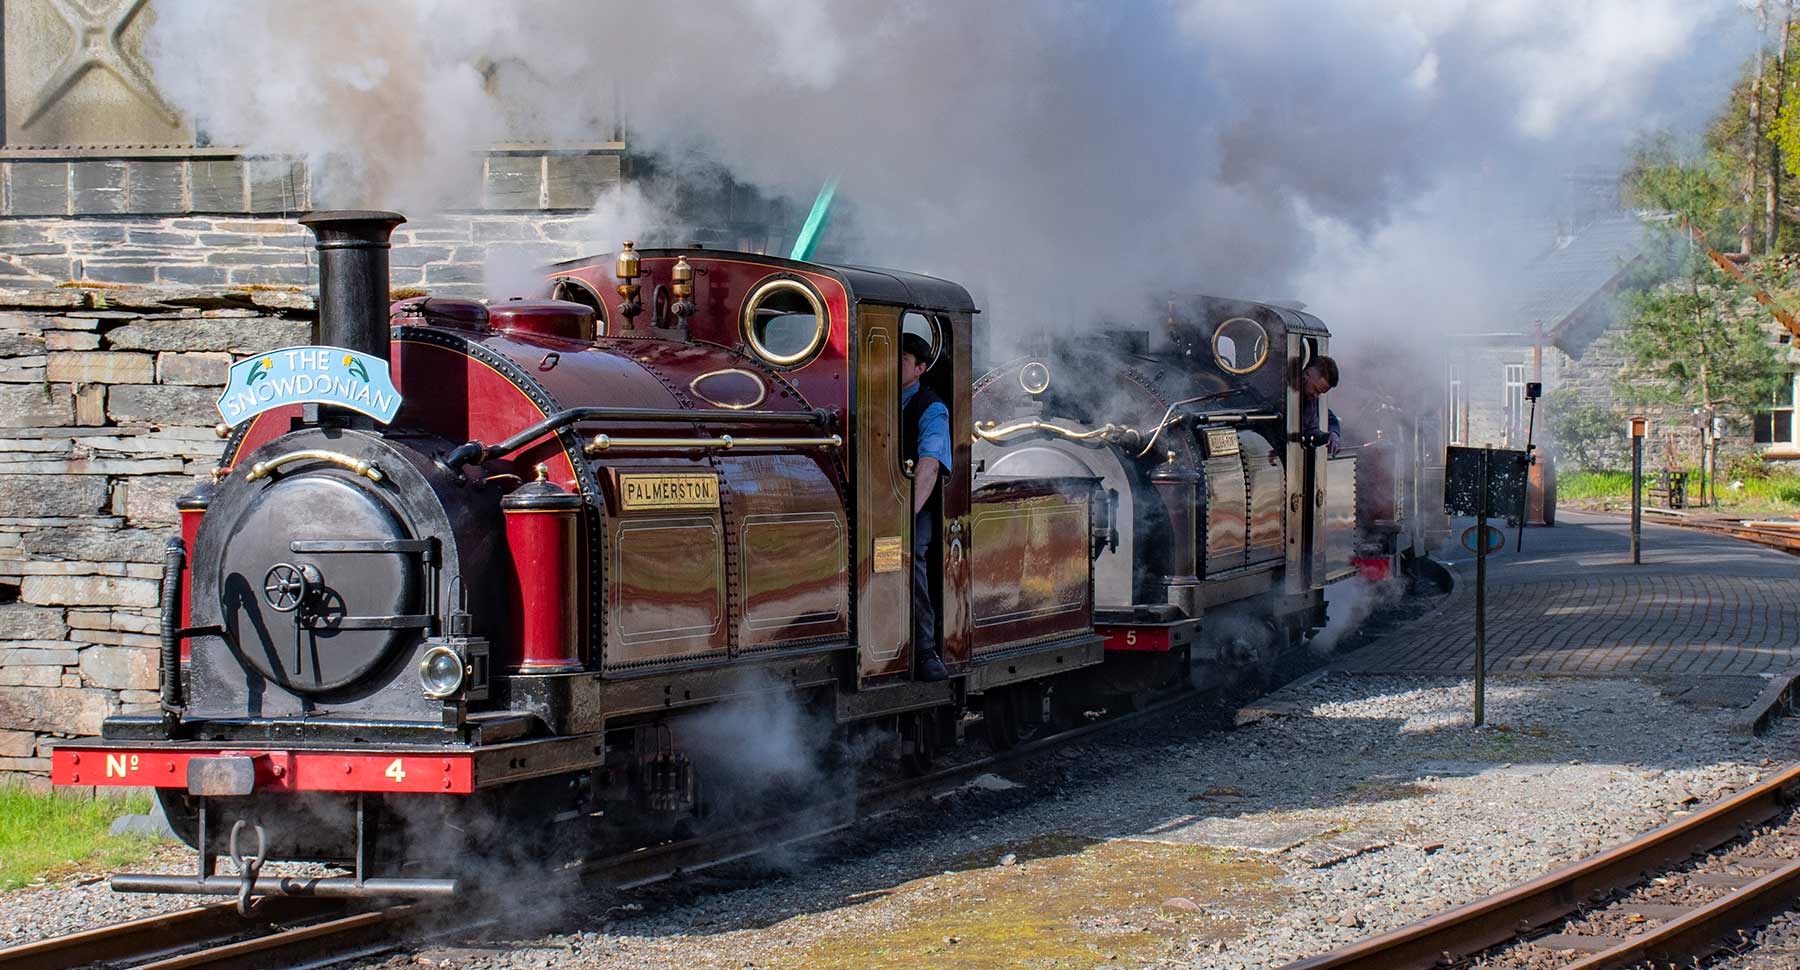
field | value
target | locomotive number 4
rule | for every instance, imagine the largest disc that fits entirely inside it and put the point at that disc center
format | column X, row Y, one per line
column 396, row 772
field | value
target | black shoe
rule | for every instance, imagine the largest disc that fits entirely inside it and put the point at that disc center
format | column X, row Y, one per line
column 931, row 669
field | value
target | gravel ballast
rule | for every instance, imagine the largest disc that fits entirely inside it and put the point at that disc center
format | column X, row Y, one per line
column 1355, row 805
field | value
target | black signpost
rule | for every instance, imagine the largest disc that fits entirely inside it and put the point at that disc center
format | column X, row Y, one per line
column 1476, row 481
column 1638, row 428
column 1533, row 391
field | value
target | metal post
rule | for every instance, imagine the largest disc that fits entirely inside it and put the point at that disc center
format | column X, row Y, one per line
column 1530, row 460
column 1637, row 496
column 1481, row 546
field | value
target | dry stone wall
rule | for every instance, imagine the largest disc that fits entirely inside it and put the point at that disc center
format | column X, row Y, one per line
column 106, row 416
column 452, row 255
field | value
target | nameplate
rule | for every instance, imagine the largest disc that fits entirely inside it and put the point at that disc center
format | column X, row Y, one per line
column 638, row 492
column 309, row 375
column 1221, row 442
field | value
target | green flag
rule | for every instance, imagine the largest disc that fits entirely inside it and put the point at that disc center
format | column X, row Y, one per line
column 808, row 239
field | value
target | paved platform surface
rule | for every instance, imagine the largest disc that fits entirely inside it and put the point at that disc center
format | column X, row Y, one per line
column 1573, row 603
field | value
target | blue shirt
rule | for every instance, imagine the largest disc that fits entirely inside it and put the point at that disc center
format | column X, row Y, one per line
column 934, row 428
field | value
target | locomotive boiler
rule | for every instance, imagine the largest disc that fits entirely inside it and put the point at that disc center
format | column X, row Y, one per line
column 1233, row 516
column 464, row 569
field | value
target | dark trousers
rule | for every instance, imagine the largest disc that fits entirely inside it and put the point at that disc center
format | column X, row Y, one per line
column 924, row 612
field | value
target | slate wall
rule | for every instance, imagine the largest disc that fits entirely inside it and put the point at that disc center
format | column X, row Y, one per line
column 106, row 415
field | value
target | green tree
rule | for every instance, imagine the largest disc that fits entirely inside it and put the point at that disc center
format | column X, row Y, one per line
column 1694, row 190
column 1685, row 345
column 1689, row 344
column 1589, row 435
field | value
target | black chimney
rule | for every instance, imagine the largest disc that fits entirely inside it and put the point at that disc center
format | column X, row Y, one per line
column 353, row 277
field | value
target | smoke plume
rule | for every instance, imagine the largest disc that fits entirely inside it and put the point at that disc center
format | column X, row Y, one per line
column 1380, row 159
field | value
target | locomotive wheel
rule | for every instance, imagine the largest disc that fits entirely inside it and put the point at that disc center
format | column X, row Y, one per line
column 1128, row 701
column 1069, row 706
column 1000, row 714
column 1028, row 708
column 917, row 738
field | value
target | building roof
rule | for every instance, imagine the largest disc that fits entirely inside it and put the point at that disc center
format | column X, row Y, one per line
column 1562, row 285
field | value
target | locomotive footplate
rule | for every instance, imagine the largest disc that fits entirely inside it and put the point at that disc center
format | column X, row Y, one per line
column 237, row 769
column 1036, row 661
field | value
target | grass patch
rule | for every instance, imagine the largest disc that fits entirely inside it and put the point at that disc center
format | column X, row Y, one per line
column 42, row 833
column 1584, row 485
column 1771, row 495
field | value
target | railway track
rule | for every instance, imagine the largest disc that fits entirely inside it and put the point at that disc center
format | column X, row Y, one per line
column 288, row 931
column 1617, row 909
column 303, row 932
column 1774, row 534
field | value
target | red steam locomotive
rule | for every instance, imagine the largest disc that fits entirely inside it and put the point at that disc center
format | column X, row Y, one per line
column 464, row 569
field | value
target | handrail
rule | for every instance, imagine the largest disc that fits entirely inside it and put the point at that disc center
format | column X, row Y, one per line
column 604, row 443
column 366, row 469
column 474, row 452
column 1232, row 417
column 991, row 432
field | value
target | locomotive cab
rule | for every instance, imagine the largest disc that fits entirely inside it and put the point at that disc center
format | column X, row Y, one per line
column 1231, row 515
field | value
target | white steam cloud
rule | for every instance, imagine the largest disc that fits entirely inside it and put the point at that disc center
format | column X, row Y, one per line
column 1063, row 158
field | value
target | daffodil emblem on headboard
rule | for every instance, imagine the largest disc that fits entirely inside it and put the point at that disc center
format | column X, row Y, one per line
column 338, row 376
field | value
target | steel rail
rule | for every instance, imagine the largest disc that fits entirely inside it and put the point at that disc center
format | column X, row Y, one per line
column 658, row 863
column 1772, row 534
column 1476, row 926
column 302, row 944
column 152, row 936
column 1700, row 932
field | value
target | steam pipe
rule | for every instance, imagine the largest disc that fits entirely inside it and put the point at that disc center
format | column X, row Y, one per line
column 353, row 277
column 474, row 452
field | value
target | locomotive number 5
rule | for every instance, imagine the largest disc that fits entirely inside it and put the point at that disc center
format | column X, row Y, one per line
column 396, row 772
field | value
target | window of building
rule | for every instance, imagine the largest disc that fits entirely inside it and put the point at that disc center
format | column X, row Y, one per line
column 1776, row 425
column 1456, row 409
column 1513, row 403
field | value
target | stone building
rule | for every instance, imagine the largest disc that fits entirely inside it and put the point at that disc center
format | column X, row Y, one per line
column 1567, row 335
column 136, row 261
column 1560, row 335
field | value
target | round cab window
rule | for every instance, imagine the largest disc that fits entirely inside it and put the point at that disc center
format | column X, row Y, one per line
column 784, row 321
column 927, row 327
column 572, row 290
column 1240, row 345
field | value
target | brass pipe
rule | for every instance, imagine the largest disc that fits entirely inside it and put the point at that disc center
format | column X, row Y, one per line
column 604, row 443
column 990, row 431
column 366, row 469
